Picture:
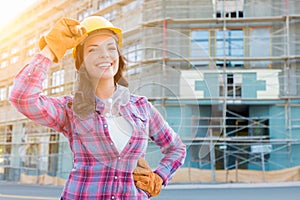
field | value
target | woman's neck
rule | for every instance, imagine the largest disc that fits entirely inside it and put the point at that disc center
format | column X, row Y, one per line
column 105, row 89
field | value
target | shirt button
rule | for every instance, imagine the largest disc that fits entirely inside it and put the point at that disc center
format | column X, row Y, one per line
column 119, row 158
column 116, row 177
column 105, row 125
column 112, row 197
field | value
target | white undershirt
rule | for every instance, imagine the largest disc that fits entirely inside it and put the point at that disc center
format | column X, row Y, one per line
column 119, row 130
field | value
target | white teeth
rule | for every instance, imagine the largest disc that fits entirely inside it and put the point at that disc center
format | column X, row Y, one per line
column 104, row 65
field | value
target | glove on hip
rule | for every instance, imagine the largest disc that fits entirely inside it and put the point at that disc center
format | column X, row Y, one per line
column 65, row 34
column 142, row 165
column 146, row 179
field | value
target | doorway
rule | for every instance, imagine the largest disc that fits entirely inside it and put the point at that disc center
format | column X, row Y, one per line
column 234, row 154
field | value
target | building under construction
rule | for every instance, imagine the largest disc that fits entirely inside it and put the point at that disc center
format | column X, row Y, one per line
column 224, row 73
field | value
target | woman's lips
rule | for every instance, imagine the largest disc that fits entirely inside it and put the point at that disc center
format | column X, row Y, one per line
column 104, row 65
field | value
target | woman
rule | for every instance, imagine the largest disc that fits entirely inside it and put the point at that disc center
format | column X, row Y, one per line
column 107, row 127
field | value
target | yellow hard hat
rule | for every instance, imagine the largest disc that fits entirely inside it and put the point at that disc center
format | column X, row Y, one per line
column 93, row 23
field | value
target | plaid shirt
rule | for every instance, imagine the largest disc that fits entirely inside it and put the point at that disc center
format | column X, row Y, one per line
column 99, row 170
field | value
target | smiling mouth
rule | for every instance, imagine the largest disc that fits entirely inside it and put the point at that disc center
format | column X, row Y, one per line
column 104, row 65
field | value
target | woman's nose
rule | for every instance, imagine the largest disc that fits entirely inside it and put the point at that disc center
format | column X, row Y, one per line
column 102, row 52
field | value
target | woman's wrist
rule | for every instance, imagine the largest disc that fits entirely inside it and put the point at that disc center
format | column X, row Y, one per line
column 47, row 53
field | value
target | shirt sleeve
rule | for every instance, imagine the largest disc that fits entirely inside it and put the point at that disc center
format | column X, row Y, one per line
column 171, row 146
column 26, row 96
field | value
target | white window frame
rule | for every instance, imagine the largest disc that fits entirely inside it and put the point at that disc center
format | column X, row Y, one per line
column 235, row 86
column 58, row 79
column 3, row 94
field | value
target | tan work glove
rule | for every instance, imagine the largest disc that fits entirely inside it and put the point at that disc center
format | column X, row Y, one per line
column 65, row 34
column 146, row 179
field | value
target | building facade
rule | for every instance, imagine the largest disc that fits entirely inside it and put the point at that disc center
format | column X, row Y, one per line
column 225, row 75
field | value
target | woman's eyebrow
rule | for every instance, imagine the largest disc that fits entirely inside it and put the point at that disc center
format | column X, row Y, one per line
column 111, row 43
column 96, row 45
column 92, row 45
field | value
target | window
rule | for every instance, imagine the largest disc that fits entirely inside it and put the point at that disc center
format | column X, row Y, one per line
column 33, row 143
column 105, row 3
column 58, row 81
column 199, row 152
column 260, row 46
column 4, row 64
column 85, row 13
column 14, row 60
column 131, row 6
column 199, row 47
column 133, row 53
column 5, row 144
column 32, row 41
column 2, row 94
column 233, row 85
column 111, row 15
column 9, row 89
column 229, row 8
column 1, row 154
column 230, row 42
column 31, row 158
column 31, row 52
column 14, row 50
column 53, row 153
column 45, row 87
column 260, row 128
column 4, row 55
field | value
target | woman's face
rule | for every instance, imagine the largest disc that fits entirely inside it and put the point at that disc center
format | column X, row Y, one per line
column 101, row 57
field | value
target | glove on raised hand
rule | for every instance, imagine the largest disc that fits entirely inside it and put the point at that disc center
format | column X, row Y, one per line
column 146, row 179
column 65, row 34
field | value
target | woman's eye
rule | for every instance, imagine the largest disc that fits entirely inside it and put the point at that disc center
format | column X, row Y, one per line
column 91, row 50
column 112, row 48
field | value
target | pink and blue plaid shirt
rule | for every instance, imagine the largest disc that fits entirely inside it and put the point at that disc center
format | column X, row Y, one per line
column 99, row 170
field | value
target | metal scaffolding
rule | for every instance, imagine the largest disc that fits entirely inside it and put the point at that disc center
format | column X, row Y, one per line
column 225, row 74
